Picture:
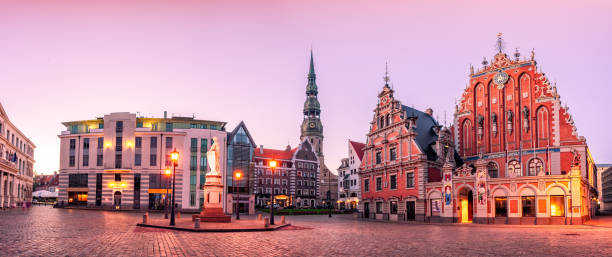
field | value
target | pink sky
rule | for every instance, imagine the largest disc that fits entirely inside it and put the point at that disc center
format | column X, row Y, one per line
column 74, row 60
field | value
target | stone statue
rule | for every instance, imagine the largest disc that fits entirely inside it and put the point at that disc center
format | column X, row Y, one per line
column 213, row 158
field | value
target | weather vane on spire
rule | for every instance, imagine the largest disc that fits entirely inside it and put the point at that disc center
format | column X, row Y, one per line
column 386, row 77
column 500, row 43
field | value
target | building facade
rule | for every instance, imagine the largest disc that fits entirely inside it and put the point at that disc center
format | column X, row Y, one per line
column 604, row 173
column 120, row 161
column 296, row 177
column 16, row 164
column 349, row 191
column 405, row 149
column 524, row 160
column 240, row 147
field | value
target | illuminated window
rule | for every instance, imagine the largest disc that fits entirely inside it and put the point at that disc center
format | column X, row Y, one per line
column 501, row 207
column 557, row 206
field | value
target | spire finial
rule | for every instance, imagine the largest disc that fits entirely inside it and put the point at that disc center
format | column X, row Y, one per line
column 386, row 78
column 311, row 71
column 500, row 43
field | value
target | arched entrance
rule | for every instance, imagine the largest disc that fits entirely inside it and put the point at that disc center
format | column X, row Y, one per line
column 466, row 203
column 117, row 200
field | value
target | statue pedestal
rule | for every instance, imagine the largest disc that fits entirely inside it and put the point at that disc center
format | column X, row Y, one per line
column 213, row 208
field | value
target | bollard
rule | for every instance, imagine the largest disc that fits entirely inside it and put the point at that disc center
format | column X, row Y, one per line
column 197, row 222
column 258, row 216
column 145, row 218
column 282, row 219
column 266, row 222
column 178, row 215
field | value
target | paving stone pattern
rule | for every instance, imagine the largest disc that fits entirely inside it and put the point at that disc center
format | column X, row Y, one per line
column 44, row 231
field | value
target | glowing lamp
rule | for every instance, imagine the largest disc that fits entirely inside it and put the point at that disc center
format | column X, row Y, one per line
column 123, row 184
column 112, row 184
column 129, row 144
column 272, row 164
column 174, row 155
column 237, row 174
column 168, row 172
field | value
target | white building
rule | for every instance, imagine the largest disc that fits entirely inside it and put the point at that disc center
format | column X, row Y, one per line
column 120, row 161
column 16, row 164
column 349, row 191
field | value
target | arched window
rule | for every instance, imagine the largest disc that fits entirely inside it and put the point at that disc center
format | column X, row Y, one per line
column 388, row 121
column 535, row 166
column 467, row 137
column 542, row 127
column 382, row 122
column 493, row 170
column 514, row 168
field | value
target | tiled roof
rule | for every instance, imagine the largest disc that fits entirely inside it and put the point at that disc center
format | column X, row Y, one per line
column 274, row 154
column 358, row 148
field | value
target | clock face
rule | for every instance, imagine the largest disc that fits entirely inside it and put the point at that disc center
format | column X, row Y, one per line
column 500, row 79
column 312, row 125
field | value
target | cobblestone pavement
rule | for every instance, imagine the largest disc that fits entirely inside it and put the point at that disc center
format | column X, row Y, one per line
column 44, row 231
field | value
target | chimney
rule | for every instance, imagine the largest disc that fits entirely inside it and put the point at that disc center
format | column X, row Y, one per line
column 429, row 111
column 260, row 149
column 165, row 114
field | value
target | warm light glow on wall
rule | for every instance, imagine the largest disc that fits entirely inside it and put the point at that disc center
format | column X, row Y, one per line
column 108, row 144
column 129, row 144
column 146, row 125
column 123, row 184
column 111, row 185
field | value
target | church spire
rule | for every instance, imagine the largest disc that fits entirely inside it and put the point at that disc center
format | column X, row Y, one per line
column 311, row 72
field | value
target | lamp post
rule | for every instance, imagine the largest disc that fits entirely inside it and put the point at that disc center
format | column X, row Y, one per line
column 272, row 165
column 237, row 175
column 329, row 192
column 168, row 172
column 174, row 156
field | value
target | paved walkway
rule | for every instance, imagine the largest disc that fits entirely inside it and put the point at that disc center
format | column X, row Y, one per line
column 58, row 232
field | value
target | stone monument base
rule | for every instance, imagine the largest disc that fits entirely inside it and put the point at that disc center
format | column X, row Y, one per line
column 212, row 215
column 213, row 209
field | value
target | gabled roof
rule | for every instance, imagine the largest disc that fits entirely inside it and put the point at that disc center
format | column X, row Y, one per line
column 358, row 148
column 231, row 135
column 286, row 154
column 424, row 127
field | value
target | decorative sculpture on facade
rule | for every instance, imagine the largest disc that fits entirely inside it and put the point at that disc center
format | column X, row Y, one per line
column 510, row 118
column 526, row 118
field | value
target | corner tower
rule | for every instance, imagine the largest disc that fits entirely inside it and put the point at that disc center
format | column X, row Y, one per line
column 312, row 128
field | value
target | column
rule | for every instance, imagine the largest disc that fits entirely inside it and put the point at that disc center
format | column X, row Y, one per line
column 1, row 189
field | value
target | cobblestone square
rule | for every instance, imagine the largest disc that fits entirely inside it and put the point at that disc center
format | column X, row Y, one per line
column 44, row 231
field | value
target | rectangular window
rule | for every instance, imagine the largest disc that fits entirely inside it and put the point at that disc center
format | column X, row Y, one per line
column 202, row 162
column 366, row 185
column 194, row 145
column 192, row 198
column 557, row 206
column 193, row 180
column 137, row 191
column 137, row 159
column 528, row 203
column 393, row 179
column 85, row 159
column 169, row 126
column 117, row 177
column 119, row 127
column 378, row 183
column 85, row 152
column 138, row 142
column 100, row 142
column 379, row 207
column 193, row 163
column 501, row 207
column 153, row 160
column 409, row 179
column 85, row 143
column 393, row 207
column 393, row 154
column 168, row 143
column 71, row 159
column 139, row 124
column 77, row 180
column 203, row 145
column 99, row 159
column 118, row 144
column 118, row 160
column 153, row 142
column 378, row 157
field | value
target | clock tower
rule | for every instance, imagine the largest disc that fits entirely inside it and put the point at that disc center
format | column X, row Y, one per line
column 312, row 128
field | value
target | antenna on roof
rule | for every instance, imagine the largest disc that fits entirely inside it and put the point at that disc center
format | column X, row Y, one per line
column 445, row 119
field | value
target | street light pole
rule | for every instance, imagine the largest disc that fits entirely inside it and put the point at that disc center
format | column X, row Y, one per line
column 174, row 155
column 167, row 194
column 329, row 192
column 272, row 166
column 237, row 175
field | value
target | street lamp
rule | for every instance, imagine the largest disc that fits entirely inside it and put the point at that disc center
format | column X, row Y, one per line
column 174, row 155
column 168, row 172
column 237, row 175
column 329, row 192
column 272, row 165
